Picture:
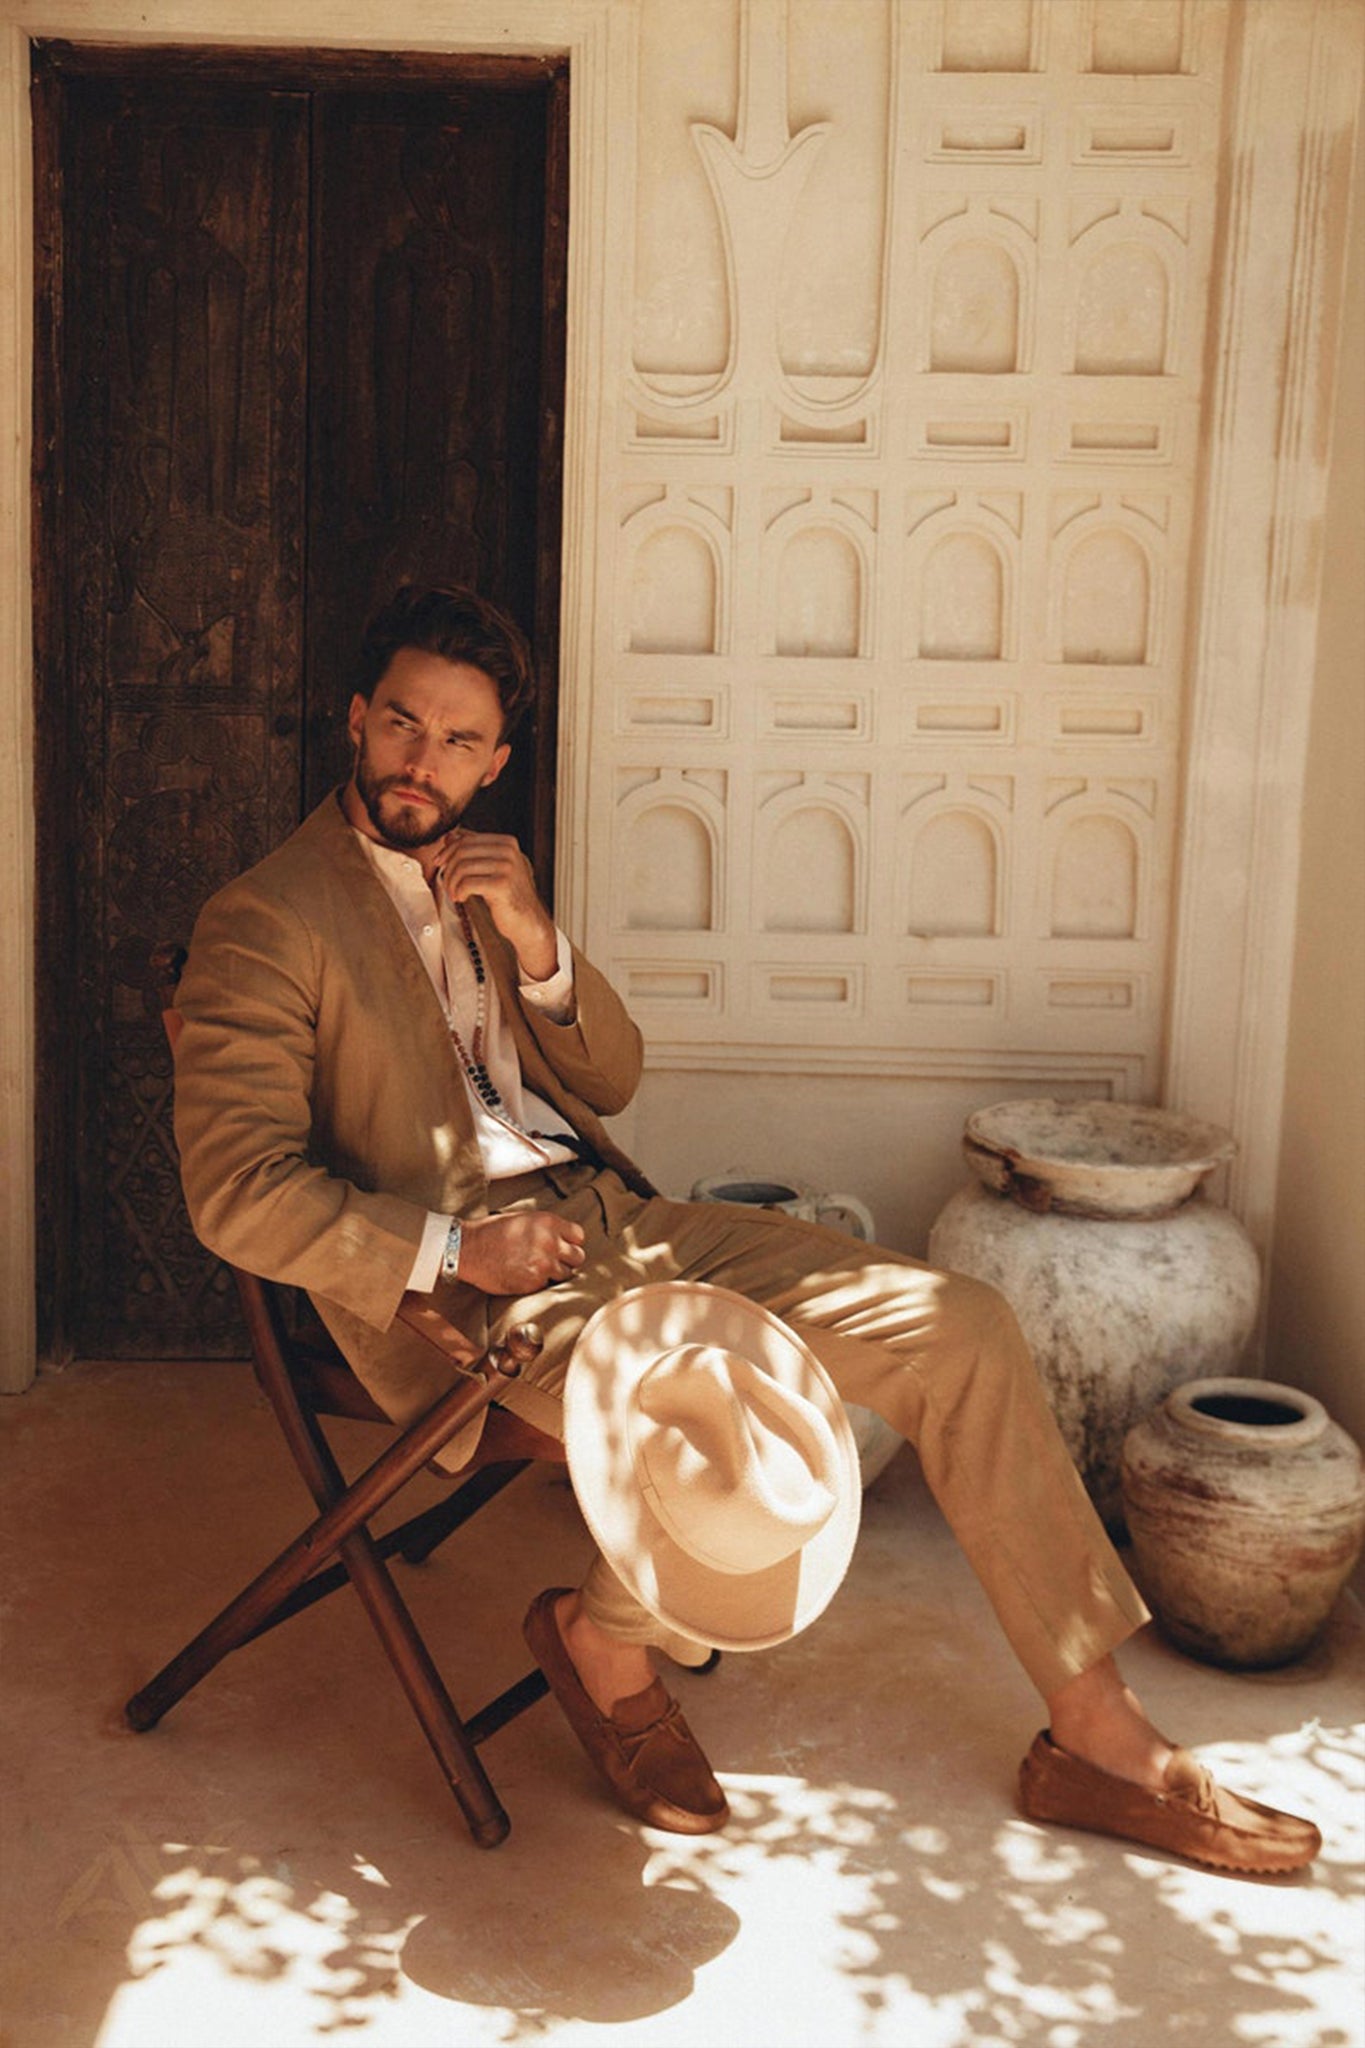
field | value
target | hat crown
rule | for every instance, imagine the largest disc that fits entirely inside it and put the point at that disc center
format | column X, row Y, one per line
column 704, row 1437
column 741, row 1470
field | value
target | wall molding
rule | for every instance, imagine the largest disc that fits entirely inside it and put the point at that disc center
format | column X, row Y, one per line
column 1295, row 82
column 17, row 1031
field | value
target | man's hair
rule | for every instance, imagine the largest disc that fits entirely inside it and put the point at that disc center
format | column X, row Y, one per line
column 459, row 625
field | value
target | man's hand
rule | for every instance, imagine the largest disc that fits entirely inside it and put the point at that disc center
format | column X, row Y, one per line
column 519, row 1253
column 492, row 865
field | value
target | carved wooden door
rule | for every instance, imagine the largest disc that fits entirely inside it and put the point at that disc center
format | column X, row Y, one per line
column 300, row 340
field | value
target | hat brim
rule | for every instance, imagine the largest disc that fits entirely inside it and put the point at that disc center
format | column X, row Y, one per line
column 722, row 1610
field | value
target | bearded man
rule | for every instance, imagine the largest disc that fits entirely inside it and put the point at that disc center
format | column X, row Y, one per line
column 392, row 1076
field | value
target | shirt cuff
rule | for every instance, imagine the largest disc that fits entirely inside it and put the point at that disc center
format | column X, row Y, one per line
column 426, row 1267
column 553, row 998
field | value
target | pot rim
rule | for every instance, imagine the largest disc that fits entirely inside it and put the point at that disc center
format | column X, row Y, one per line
column 1093, row 1157
column 1312, row 1417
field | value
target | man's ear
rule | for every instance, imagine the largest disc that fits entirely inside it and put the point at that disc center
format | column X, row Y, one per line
column 500, row 759
column 355, row 717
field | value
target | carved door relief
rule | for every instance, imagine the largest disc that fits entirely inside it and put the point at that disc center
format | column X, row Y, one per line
column 300, row 339
column 884, row 748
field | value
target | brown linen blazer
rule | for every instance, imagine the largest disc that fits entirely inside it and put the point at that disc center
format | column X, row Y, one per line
column 320, row 1108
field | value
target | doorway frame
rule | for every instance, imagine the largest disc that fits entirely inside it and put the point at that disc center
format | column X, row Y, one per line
column 1294, row 91
column 58, row 69
column 585, row 32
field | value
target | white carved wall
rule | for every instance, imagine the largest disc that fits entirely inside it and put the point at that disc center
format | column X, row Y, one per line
column 884, row 741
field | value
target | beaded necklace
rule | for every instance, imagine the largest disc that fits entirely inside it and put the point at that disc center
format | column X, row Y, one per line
column 473, row 1061
column 472, row 1058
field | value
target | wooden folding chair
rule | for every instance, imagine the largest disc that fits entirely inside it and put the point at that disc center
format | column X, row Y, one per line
column 305, row 1377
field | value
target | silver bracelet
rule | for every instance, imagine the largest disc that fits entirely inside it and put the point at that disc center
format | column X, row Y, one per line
column 450, row 1257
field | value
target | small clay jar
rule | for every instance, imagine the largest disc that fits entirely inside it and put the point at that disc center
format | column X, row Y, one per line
column 1246, row 1507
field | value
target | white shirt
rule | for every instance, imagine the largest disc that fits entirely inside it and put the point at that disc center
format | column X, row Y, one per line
column 431, row 923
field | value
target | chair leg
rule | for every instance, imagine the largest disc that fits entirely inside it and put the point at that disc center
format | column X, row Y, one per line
column 340, row 1527
column 449, row 1739
column 345, row 1510
column 413, row 1541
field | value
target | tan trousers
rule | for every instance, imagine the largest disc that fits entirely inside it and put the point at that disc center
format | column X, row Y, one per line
column 939, row 1356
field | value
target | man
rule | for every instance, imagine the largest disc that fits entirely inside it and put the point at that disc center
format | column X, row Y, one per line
column 391, row 1077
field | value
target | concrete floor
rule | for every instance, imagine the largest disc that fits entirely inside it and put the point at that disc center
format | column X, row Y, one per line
column 279, row 1863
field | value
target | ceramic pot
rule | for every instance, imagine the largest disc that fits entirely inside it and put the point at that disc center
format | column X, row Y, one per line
column 877, row 1441
column 792, row 1197
column 1246, row 1506
column 1125, row 1284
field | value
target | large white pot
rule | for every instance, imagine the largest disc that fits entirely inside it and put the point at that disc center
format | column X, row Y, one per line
column 1118, row 1308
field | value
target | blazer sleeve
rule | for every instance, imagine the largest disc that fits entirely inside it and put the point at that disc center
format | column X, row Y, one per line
column 257, row 1193
column 600, row 1055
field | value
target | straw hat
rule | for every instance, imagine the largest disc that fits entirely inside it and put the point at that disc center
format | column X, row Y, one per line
column 713, row 1463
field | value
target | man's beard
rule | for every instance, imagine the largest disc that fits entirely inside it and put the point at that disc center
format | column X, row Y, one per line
column 406, row 832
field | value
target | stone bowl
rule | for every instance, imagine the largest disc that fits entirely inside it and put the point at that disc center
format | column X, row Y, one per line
column 1092, row 1158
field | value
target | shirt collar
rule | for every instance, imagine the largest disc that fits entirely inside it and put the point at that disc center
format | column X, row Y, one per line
column 400, row 870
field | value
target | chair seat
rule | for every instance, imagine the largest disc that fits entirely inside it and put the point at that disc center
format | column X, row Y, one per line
column 331, row 1387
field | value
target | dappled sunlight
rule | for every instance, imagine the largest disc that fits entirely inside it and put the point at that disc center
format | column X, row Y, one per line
column 444, row 1140
column 875, row 1887
column 1296, row 1945
column 236, row 1923
column 1317, row 1771
column 965, row 1935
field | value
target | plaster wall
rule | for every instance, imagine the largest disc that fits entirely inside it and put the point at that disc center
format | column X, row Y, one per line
column 1316, row 1324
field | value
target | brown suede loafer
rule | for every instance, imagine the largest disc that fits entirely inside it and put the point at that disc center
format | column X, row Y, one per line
column 644, row 1750
column 1191, row 1815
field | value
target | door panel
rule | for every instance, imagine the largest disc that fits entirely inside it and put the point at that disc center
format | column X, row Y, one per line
column 183, row 348
column 428, row 212
column 290, row 339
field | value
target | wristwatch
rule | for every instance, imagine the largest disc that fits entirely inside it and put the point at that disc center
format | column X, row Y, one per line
column 450, row 1257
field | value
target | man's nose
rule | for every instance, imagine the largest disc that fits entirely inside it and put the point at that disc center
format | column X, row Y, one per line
column 424, row 754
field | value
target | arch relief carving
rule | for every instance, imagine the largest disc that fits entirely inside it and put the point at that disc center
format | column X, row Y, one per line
column 810, row 881
column 818, row 574
column 954, row 889
column 988, row 35
column 811, row 855
column 673, row 593
column 1097, row 859
column 961, row 575
column 979, row 259
column 819, row 596
column 1128, row 260
column 953, row 850
column 1139, row 38
column 671, row 839
column 1095, row 868
column 677, row 547
column 1106, row 601
column 974, row 310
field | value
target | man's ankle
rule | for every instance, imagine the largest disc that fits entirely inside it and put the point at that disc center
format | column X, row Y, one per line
column 1099, row 1720
column 608, row 1670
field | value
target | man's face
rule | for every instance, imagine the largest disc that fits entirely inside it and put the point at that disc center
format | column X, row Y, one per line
column 426, row 742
